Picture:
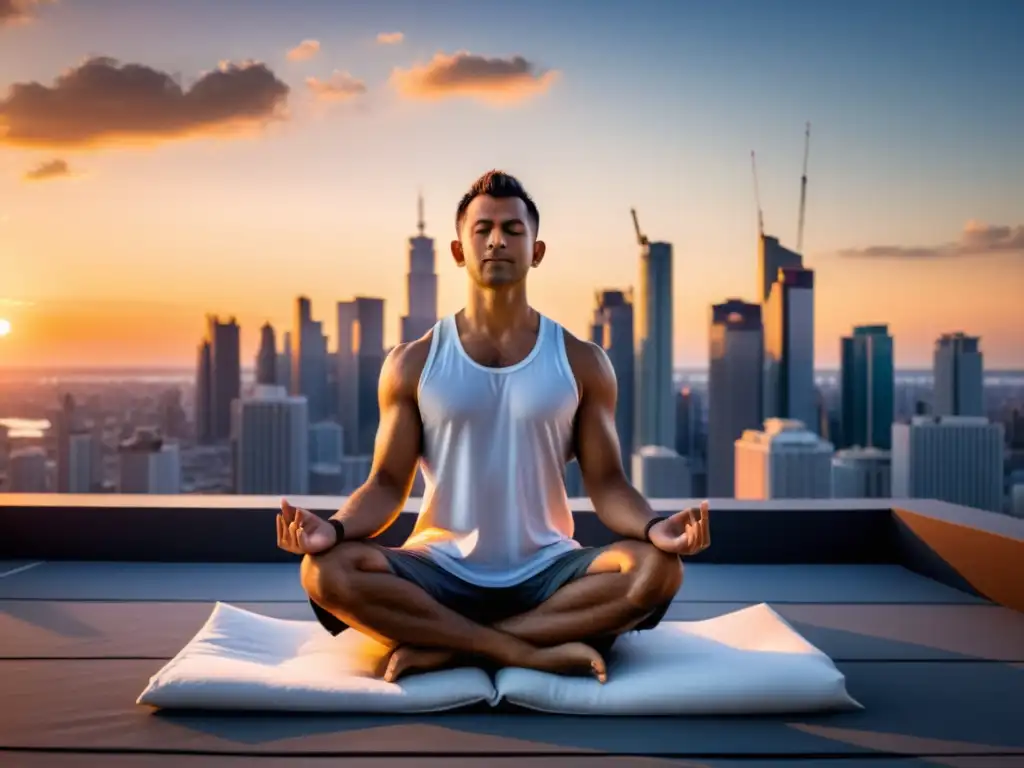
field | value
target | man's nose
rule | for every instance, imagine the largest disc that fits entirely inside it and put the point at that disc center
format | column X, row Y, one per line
column 496, row 240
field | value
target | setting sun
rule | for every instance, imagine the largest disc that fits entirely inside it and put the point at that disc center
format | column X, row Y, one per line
column 5, row 327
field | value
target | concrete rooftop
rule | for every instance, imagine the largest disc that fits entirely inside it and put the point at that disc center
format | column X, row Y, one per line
column 920, row 604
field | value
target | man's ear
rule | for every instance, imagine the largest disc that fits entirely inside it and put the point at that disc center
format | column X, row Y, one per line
column 457, row 254
column 539, row 249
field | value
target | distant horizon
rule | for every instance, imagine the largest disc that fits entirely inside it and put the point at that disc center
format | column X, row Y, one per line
column 181, row 369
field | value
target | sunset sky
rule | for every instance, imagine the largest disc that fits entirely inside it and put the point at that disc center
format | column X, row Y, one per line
column 159, row 161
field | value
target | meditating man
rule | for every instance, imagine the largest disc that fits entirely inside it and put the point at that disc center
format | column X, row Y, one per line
column 492, row 402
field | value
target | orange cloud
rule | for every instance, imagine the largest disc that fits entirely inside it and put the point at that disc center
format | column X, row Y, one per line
column 102, row 102
column 304, row 51
column 51, row 169
column 17, row 11
column 977, row 238
column 340, row 86
column 463, row 74
column 390, row 38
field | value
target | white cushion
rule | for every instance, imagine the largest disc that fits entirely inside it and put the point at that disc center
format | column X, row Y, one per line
column 748, row 662
column 241, row 660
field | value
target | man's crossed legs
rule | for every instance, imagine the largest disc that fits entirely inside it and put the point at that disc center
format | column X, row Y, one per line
column 562, row 620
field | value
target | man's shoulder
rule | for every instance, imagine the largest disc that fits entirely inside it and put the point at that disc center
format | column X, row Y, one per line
column 589, row 361
column 404, row 364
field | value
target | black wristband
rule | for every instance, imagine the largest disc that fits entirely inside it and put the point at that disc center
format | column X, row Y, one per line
column 650, row 524
column 339, row 529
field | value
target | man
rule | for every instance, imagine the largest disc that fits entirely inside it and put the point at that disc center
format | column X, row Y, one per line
column 493, row 402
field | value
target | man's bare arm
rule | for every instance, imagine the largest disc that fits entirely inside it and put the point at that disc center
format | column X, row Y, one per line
column 620, row 506
column 377, row 503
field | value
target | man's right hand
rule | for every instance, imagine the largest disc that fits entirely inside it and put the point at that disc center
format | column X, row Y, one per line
column 301, row 532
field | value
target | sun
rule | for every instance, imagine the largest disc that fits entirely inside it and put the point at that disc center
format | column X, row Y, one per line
column 5, row 327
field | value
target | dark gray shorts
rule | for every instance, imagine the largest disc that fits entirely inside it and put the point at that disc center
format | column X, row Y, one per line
column 488, row 605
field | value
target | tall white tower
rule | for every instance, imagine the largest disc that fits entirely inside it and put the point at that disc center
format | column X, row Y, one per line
column 421, row 283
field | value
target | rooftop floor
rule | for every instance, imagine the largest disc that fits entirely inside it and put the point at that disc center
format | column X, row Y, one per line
column 939, row 669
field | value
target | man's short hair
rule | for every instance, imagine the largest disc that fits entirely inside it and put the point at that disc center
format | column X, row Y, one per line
column 497, row 184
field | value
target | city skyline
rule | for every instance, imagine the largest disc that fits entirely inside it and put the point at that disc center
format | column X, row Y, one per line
column 322, row 203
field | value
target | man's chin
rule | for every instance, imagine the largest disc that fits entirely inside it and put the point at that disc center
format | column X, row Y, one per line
column 498, row 278
column 496, row 283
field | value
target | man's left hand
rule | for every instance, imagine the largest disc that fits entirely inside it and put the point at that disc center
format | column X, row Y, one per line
column 684, row 533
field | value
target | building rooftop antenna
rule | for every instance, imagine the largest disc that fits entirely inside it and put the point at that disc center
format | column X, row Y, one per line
column 420, row 223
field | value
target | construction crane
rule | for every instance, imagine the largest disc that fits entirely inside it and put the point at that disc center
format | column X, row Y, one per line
column 757, row 195
column 640, row 237
column 803, row 193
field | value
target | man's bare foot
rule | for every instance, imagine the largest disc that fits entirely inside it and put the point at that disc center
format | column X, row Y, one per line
column 408, row 658
column 569, row 658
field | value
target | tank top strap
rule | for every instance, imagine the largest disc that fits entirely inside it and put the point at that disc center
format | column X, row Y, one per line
column 435, row 356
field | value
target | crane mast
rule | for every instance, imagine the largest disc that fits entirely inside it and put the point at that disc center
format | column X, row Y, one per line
column 803, row 194
column 641, row 238
column 757, row 195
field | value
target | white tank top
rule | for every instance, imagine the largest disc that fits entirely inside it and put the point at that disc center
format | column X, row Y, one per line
column 495, row 445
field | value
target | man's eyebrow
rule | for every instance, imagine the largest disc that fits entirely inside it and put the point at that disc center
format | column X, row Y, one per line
column 519, row 221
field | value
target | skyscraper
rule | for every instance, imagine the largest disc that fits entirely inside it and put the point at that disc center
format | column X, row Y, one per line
column 771, row 257
column 861, row 473
column 688, row 420
column 309, row 360
column 326, row 443
column 788, row 316
column 66, row 425
column 218, row 379
column 868, row 387
column 284, row 363
column 359, row 360
column 368, row 343
column 735, row 399
column 346, row 374
column 26, row 471
column 421, row 284
column 81, row 455
column 959, row 376
column 612, row 330
column 958, row 459
column 5, row 447
column 783, row 461
column 270, row 441
column 266, row 358
column 148, row 464
column 574, row 480
column 655, row 395
column 661, row 473
column 204, row 393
